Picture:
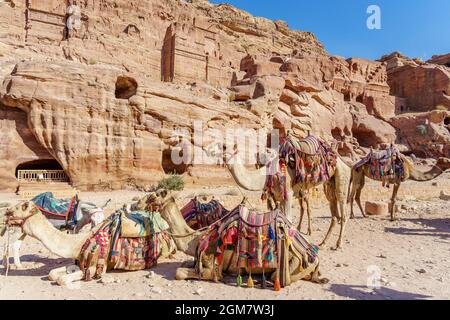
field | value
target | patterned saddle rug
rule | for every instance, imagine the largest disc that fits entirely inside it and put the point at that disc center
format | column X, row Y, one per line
column 200, row 215
column 384, row 165
column 259, row 240
column 57, row 209
column 139, row 224
column 311, row 158
column 108, row 249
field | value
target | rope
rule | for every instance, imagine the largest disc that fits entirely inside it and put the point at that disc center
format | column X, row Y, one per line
column 6, row 252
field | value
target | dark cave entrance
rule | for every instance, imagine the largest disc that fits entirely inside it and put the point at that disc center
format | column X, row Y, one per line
column 44, row 170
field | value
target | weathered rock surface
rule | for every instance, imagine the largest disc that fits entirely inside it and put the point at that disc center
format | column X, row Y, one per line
column 110, row 98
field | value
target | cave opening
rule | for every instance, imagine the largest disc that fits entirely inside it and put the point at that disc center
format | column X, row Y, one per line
column 169, row 166
column 126, row 87
column 46, row 170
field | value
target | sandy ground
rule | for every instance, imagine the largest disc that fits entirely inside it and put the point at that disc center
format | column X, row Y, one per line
column 409, row 259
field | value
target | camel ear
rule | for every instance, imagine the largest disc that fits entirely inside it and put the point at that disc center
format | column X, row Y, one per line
column 25, row 206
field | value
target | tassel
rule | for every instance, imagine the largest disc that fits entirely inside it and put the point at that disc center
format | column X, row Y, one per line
column 250, row 283
column 271, row 233
column 263, row 281
column 239, row 279
column 277, row 285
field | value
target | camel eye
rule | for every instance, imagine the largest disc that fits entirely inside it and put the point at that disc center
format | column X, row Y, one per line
column 25, row 206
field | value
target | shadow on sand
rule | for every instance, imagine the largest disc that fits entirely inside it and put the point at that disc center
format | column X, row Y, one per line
column 435, row 228
column 383, row 293
column 48, row 265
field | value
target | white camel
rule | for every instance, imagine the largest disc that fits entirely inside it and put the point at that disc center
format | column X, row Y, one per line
column 87, row 213
column 33, row 223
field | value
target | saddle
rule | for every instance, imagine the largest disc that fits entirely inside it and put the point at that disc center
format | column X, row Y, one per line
column 199, row 215
column 61, row 212
column 259, row 240
column 385, row 164
column 311, row 158
column 140, row 224
column 310, row 145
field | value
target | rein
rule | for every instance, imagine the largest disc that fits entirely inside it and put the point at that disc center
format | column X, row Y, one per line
column 11, row 221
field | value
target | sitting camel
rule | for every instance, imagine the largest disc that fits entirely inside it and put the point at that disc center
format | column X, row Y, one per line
column 336, row 189
column 32, row 222
column 410, row 172
column 87, row 213
column 187, row 241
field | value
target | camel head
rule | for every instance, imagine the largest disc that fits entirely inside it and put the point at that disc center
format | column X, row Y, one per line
column 443, row 163
column 18, row 215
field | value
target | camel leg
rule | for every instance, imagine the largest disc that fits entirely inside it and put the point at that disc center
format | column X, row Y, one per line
column 66, row 279
column 189, row 273
column 56, row 273
column 308, row 211
column 343, row 219
column 354, row 186
column 358, row 196
column 302, row 213
column 393, row 199
column 330, row 194
column 16, row 252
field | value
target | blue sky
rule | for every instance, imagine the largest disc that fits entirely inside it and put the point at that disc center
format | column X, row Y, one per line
column 416, row 28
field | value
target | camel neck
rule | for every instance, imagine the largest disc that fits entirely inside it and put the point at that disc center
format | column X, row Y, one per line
column 179, row 228
column 60, row 243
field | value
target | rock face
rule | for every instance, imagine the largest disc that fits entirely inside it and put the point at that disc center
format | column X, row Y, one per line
column 106, row 89
column 425, row 86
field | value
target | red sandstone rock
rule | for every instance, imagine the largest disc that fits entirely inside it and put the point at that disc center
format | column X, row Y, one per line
column 105, row 99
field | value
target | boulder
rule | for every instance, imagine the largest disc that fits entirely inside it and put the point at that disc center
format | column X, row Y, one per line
column 377, row 208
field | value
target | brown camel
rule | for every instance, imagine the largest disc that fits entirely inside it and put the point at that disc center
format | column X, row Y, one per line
column 357, row 181
column 187, row 240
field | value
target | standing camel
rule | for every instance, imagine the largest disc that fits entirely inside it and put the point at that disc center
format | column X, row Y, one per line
column 336, row 189
column 359, row 174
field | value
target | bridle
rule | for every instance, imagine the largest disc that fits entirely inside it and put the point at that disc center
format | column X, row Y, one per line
column 18, row 222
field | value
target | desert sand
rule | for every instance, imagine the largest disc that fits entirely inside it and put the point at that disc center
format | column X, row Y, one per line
column 412, row 256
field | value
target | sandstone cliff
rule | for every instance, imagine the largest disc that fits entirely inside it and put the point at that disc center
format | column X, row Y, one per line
column 106, row 97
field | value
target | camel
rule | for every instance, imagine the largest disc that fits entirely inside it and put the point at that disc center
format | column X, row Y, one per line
column 188, row 239
column 336, row 190
column 33, row 223
column 87, row 213
column 358, row 180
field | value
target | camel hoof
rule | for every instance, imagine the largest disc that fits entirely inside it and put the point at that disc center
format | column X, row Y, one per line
column 322, row 246
column 352, row 216
column 323, row 281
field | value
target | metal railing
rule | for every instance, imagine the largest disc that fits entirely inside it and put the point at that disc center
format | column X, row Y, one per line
column 42, row 176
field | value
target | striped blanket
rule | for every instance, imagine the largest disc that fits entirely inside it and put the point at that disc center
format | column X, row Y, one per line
column 312, row 159
column 106, row 249
column 57, row 209
column 260, row 240
column 384, row 165
column 199, row 215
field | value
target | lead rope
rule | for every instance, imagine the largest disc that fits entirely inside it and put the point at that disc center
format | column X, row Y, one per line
column 6, row 252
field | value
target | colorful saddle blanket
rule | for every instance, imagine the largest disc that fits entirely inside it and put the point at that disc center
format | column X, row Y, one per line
column 139, row 224
column 57, row 209
column 311, row 158
column 384, row 165
column 108, row 249
column 260, row 240
column 200, row 215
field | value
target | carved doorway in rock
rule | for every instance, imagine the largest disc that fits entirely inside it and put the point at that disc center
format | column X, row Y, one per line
column 41, row 171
